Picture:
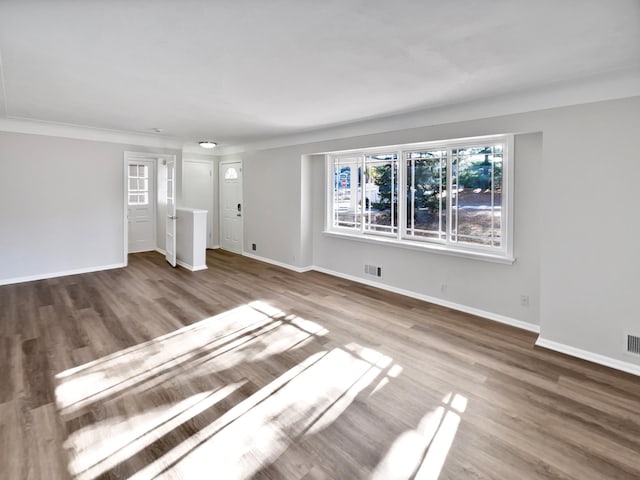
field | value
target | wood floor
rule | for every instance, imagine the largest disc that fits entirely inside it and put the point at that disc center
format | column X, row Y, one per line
column 247, row 370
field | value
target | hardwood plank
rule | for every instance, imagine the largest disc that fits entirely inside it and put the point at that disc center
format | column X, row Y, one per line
column 260, row 372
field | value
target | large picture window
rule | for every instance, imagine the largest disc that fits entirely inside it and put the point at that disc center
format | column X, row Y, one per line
column 451, row 196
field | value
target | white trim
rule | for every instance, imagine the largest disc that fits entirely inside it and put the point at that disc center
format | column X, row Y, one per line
column 421, row 246
column 191, row 267
column 161, row 251
column 623, row 366
column 79, row 132
column 358, row 157
column 128, row 156
column 277, row 263
column 215, row 247
column 44, row 276
column 407, row 293
column 437, row 301
column 220, row 202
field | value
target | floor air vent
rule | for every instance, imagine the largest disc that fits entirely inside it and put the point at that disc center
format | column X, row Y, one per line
column 373, row 270
column 633, row 344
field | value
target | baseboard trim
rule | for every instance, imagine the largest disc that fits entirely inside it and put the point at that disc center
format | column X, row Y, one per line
column 426, row 298
column 159, row 250
column 277, row 263
column 65, row 273
column 191, row 267
column 589, row 356
column 438, row 301
column 215, row 247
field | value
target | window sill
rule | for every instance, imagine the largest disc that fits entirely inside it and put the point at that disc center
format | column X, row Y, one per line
column 429, row 247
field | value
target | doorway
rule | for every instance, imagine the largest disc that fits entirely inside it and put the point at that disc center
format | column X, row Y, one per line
column 231, row 225
column 145, row 185
column 141, row 205
column 197, row 191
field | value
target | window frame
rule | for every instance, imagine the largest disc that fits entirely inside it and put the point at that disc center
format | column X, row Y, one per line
column 502, row 254
column 137, row 192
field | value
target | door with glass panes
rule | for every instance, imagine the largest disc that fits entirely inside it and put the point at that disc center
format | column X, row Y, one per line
column 141, row 205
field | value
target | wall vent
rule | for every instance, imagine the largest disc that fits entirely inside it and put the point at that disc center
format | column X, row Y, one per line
column 633, row 344
column 373, row 270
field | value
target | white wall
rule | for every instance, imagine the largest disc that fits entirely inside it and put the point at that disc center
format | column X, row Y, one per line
column 576, row 236
column 193, row 188
column 590, row 250
column 581, row 290
column 490, row 287
column 61, row 204
column 271, row 190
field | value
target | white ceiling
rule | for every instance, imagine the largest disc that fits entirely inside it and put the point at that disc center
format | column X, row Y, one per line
column 244, row 70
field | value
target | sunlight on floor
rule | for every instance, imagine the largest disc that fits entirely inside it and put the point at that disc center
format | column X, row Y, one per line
column 126, row 437
column 175, row 383
column 150, row 394
column 251, row 331
column 258, row 430
column 425, row 449
column 149, row 385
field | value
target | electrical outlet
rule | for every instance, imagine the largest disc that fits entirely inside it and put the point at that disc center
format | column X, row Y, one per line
column 253, row 247
column 524, row 300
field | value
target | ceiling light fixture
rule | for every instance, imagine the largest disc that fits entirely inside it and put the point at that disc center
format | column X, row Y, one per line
column 208, row 144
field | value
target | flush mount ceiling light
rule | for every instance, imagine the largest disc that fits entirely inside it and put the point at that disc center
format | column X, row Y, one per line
column 207, row 144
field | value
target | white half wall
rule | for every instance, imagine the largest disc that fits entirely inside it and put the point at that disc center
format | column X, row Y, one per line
column 61, row 205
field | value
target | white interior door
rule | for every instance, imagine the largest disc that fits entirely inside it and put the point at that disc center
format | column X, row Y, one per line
column 141, row 203
column 231, row 206
column 197, row 190
column 170, row 246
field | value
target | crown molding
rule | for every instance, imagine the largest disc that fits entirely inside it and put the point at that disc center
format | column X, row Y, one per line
column 605, row 86
column 52, row 129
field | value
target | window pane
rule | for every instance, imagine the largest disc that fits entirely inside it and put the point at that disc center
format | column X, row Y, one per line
column 133, row 170
column 497, row 198
column 426, row 194
column 143, row 171
column 381, row 193
column 347, row 202
column 133, row 184
column 476, row 193
column 230, row 174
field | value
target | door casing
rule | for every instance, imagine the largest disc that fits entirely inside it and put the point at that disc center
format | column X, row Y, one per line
column 187, row 196
column 221, row 190
column 158, row 158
